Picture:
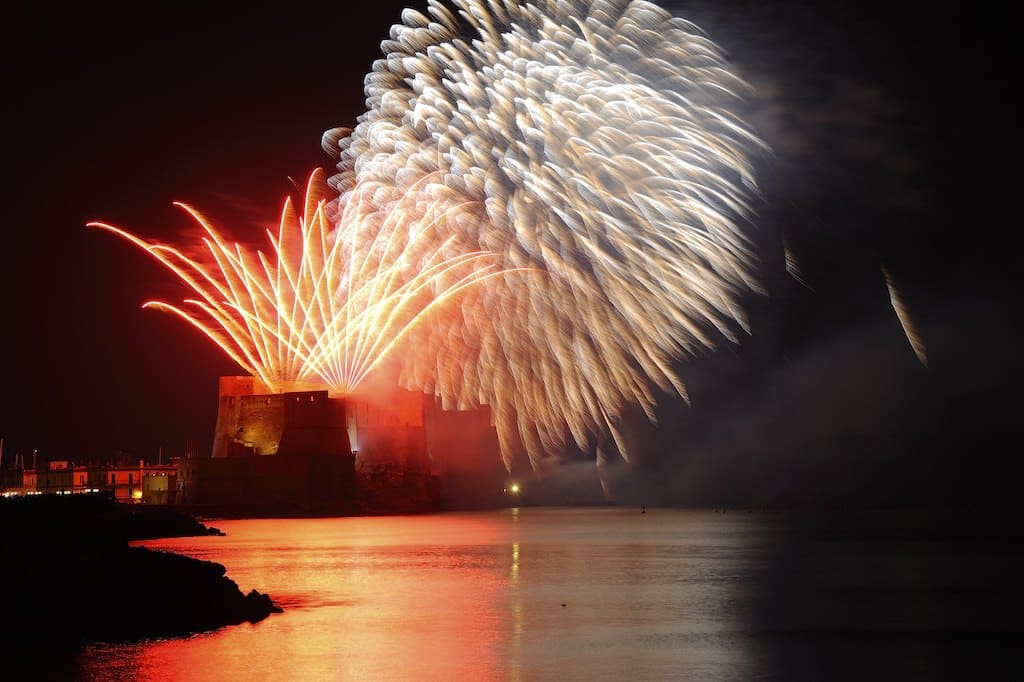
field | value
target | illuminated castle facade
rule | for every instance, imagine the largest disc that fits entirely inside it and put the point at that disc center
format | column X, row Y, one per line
column 307, row 452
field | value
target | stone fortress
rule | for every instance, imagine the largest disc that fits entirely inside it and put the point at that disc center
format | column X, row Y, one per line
column 302, row 451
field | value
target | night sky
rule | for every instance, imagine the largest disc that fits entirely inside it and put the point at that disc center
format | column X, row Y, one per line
column 891, row 128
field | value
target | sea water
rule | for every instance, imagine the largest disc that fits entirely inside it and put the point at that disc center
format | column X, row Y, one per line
column 603, row 593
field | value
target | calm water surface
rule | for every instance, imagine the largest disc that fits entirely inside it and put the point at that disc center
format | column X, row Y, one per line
column 581, row 594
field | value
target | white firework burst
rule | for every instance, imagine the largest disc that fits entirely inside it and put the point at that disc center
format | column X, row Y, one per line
column 601, row 141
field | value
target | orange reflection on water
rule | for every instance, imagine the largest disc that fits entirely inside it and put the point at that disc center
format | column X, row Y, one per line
column 364, row 598
column 603, row 593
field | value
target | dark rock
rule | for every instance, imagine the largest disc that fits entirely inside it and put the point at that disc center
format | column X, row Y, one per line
column 146, row 523
column 69, row 574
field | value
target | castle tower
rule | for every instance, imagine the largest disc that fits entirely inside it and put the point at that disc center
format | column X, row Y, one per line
column 231, row 391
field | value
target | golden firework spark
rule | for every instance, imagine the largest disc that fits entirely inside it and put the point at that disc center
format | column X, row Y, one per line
column 601, row 141
column 792, row 264
column 329, row 302
column 903, row 314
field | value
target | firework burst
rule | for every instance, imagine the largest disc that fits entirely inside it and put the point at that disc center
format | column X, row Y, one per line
column 600, row 141
column 328, row 303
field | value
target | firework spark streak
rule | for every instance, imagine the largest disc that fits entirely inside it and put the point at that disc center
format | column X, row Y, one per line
column 903, row 314
column 792, row 264
column 601, row 142
column 328, row 304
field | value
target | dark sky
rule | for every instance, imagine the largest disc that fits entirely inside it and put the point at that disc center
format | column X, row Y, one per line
column 891, row 128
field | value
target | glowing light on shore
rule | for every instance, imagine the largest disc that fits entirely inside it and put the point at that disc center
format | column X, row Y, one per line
column 328, row 302
column 601, row 141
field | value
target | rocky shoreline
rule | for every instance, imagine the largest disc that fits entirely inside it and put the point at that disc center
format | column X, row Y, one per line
column 69, row 574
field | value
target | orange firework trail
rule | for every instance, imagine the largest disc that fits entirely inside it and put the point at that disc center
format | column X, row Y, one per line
column 331, row 301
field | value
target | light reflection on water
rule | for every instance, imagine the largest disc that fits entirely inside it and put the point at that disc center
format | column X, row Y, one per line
column 599, row 593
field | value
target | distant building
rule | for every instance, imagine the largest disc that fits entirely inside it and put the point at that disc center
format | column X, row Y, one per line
column 29, row 478
column 145, row 483
column 57, row 477
column 141, row 484
column 158, row 485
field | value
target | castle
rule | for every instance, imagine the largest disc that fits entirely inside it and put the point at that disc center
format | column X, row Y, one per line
column 303, row 451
